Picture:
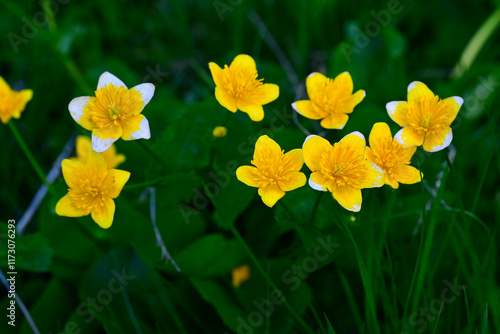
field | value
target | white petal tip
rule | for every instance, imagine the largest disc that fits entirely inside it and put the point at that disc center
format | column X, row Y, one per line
column 108, row 78
column 359, row 134
column 100, row 145
column 307, row 138
column 445, row 144
column 143, row 132
column 413, row 85
column 458, row 100
column 312, row 74
column 316, row 186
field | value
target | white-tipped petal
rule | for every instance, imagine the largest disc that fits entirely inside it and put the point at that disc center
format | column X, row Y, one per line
column 76, row 107
column 391, row 108
column 458, row 100
column 307, row 138
column 445, row 144
column 101, row 145
column 316, row 186
column 143, row 132
column 107, row 78
column 146, row 90
column 294, row 106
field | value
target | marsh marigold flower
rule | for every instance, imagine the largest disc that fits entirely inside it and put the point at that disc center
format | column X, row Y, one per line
column 83, row 143
column 240, row 275
column 391, row 156
column 12, row 103
column 92, row 188
column 237, row 87
column 342, row 168
column 425, row 118
column 275, row 172
column 329, row 100
column 114, row 112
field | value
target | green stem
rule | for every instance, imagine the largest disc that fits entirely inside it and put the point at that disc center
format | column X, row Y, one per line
column 315, row 208
column 49, row 15
column 144, row 184
column 153, row 154
column 30, row 157
column 476, row 44
column 238, row 236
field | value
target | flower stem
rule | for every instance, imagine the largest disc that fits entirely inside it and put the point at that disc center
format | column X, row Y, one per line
column 153, row 154
column 238, row 236
column 30, row 157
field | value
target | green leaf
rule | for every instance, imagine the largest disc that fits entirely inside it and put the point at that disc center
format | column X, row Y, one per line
column 32, row 253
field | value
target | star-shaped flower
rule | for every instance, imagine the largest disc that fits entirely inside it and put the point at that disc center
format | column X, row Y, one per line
column 275, row 172
column 342, row 168
column 92, row 188
column 391, row 156
column 114, row 112
column 12, row 103
column 329, row 100
column 425, row 118
column 83, row 143
column 237, row 87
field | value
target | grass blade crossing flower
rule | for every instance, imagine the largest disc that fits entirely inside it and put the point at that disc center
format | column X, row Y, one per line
column 114, row 112
column 342, row 168
column 329, row 100
column 237, row 87
column 92, row 188
column 391, row 156
column 425, row 118
column 83, row 143
column 275, row 172
column 12, row 103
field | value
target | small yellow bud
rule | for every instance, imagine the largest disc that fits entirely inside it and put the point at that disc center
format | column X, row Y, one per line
column 219, row 132
column 352, row 218
column 240, row 274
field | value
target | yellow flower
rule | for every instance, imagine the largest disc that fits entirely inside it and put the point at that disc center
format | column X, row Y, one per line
column 92, row 188
column 342, row 168
column 12, row 103
column 330, row 100
column 240, row 275
column 83, row 143
column 275, row 171
column 114, row 112
column 425, row 118
column 219, row 132
column 391, row 156
column 237, row 87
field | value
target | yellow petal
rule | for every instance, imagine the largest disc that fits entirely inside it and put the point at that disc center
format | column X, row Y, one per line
column 65, row 207
column 370, row 155
column 291, row 181
column 110, row 132
column 335, row 121
column 243, row 63
column 103, row 214
column 266, row 149
column 135, row 127
column 349, row 103
column 318, row 182
column 263, row 94
column 112, row 158
column 406, row 174
column 373, row 177
column 254, row 110
column 217, row 74
column 293, row 160
column 380, row 133
column 80, row 111
column 438, row 139
column 312, row 149
column 316, row 85
column 398, row 111
column 355, row 140
column 349, row 198
column 250, row 176
column 417, row 90
column 389, row 180
column 343, row 83
column 4, row 86
column 408, row 137
column 309, row 109
column 96, row 165
column 82, row 144
column 271, row 194
column 452, row 106
column 72, row 171
column 407, row 154
column 24, row 97
column 114, row 182
column 225, row 99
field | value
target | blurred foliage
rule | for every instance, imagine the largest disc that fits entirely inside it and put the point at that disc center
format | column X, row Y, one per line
column 73, row 276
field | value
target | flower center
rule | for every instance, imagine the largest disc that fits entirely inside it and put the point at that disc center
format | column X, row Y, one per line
column 426, row 114
column 331, row 97
column 88, row 194
column 342, row 165
column 271, row 167
column 111, row 105
column 388, row 154
column 239, row 82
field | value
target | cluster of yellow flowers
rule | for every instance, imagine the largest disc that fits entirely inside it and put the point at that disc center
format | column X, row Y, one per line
column 348, row 166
